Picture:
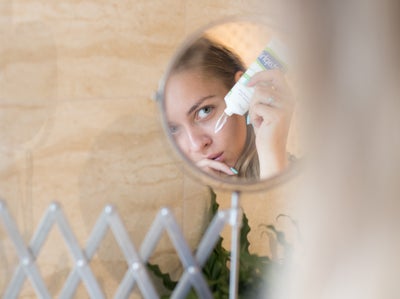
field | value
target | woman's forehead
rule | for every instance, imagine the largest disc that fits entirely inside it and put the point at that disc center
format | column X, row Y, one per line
column 191, row 85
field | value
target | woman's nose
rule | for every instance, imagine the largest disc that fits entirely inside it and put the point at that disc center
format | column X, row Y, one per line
column 198, row 140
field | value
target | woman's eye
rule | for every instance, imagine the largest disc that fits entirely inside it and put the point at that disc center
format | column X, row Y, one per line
column 204, row 112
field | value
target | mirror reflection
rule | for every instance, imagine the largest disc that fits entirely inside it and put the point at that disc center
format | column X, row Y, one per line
column 231, row 133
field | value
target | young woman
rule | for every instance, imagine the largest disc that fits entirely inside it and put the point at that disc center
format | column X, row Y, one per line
column 194, row 100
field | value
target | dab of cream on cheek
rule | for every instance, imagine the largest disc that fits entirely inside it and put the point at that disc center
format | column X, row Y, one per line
column 238, row 98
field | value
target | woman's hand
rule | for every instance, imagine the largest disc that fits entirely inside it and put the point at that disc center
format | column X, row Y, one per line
column 270, row 112
column 215, row 167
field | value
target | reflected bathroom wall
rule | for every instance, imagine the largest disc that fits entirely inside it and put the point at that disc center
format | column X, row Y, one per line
column 78, row 124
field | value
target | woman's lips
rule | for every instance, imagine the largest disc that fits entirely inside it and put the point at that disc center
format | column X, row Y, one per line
column 216, row 157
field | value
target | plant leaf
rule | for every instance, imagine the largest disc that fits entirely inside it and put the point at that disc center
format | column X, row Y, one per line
column 165, row 277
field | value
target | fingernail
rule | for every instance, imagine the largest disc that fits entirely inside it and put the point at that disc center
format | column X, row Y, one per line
column 248, row 120
column 234, row 170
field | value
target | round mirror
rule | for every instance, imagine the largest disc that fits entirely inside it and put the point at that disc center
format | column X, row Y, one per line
column 228, row 105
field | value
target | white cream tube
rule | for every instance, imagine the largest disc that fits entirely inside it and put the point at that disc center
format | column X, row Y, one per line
column 239, row 97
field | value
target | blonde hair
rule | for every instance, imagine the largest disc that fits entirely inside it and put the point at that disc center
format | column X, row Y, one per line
column 211, row 57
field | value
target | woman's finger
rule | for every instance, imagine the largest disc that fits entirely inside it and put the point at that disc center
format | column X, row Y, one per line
column 263, row 114
column 273, row 77
column 266, row 96
column 215, row 166
column 272, row 97
column 273, row 100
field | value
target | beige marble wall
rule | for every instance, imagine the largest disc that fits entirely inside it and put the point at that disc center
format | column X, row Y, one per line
column 78, row 125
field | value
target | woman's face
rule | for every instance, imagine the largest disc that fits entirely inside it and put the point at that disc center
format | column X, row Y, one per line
column 194, row 102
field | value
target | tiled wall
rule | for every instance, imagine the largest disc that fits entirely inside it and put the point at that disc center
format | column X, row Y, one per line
column 78, row 125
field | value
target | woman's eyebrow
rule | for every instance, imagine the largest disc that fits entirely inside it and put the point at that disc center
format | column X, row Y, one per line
column 199, row 102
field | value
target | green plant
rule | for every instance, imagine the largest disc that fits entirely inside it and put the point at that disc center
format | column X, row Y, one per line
column 256, row 273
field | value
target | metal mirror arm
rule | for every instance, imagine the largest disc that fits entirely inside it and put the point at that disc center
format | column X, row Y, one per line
column 236, row 223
